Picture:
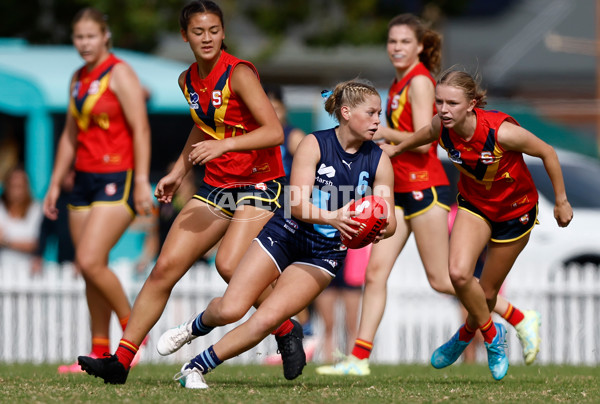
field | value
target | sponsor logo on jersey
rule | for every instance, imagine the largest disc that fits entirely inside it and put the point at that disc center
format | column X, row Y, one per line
column 521, row 201
column 348, row 164
column 111, row 158
column 524, row 219
column 417, row 176
column 326, row 170
column 263, row 168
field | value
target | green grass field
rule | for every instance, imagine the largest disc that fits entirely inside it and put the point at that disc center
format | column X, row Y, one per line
column 265, row 384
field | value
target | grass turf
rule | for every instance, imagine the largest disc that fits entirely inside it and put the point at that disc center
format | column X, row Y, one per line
column 265, row 384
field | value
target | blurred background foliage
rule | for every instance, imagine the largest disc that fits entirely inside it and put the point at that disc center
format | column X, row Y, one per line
column 139, row 24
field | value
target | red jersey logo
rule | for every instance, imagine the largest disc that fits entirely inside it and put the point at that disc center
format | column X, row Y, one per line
column 417, row 195
column 110, row 189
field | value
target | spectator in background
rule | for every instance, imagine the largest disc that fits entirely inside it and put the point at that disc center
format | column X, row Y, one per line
column 9, row 151
column 20, row 218
column 57, row 230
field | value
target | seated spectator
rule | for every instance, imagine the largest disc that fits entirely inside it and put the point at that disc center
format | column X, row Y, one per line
column 20, row 219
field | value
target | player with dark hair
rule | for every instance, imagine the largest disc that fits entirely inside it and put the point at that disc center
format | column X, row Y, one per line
column 236, row 136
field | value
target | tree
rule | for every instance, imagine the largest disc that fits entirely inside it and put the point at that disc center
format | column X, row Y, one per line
column 135, row 24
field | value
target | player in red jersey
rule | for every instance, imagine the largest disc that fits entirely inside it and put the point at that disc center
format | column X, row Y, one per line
column 236, row 136
column 107, row 137
column 422, row 194
column 497, row 204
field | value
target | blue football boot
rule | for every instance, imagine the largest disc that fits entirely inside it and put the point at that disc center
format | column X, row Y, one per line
column 496, row 350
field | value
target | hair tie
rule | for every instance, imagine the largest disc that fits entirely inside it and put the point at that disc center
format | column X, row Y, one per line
column 326, row 93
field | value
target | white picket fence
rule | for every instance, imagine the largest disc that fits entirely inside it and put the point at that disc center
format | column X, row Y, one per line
column 45, row 319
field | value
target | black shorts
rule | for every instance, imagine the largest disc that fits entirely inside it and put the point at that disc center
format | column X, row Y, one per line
column 506, row 231
column 416, row 203
column 265, row 195
column 92, row 189
column 340, row 282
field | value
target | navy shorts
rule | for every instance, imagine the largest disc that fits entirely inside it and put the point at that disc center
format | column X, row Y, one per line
column 416, row 203
column 340, row 282
column 265, row 195
column 287, row 244
column 92, row 189
column 509, row 230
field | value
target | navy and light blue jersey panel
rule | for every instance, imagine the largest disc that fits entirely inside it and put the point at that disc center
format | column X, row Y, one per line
column 341, row 176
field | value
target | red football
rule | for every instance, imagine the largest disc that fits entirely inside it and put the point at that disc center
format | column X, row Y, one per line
column 371, row 219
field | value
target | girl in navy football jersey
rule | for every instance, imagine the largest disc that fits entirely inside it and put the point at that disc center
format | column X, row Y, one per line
column 300, row 247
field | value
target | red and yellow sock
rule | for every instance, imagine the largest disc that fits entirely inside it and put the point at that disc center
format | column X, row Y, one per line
column 284, row 328
column 513, row 315
column 488, row 330
column 466, row 333
column 362, row 349
column 100, row 346
column 126, row 352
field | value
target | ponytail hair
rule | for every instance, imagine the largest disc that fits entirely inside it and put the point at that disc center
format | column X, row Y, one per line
column 350, row 93
column 200, row 6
